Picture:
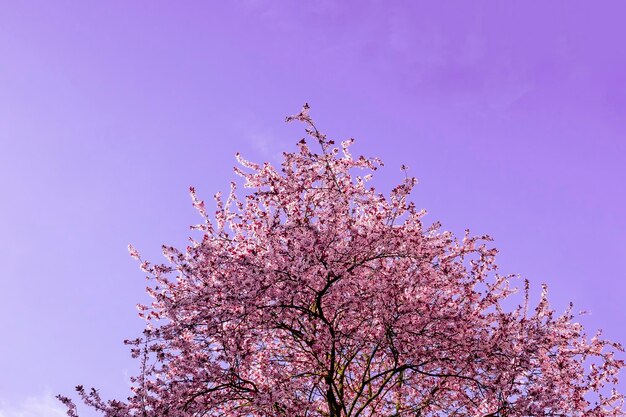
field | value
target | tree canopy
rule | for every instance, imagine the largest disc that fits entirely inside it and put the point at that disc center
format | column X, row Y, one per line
column 314, row 295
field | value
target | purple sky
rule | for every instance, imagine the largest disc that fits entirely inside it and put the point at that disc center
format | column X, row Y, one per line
column 512, row 117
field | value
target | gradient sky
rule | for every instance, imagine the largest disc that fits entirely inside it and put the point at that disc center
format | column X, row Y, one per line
column 512, row 116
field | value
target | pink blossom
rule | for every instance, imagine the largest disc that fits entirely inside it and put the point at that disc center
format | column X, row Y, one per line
column 313, row 295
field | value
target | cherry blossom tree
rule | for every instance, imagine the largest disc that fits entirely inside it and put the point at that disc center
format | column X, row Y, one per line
column 314, row 295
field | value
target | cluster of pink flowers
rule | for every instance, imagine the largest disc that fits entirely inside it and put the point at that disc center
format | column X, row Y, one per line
column 314, row 295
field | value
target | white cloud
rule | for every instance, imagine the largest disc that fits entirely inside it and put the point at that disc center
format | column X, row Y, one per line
column 45, row 405
column 262, row 143
column 265, row 144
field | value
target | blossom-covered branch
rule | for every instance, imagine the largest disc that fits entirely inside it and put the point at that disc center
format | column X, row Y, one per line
column 314, row 295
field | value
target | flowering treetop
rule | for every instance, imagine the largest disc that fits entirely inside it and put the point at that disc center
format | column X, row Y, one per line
column 314, row 295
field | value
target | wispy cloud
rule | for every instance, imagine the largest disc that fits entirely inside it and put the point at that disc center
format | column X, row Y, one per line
column 45, row 405
column 263, row 143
